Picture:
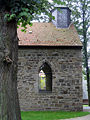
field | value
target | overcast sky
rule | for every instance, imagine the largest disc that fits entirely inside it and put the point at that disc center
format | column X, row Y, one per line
column 50, row 0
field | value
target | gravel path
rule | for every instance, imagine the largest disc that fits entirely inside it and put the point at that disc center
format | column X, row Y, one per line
column 87, row 117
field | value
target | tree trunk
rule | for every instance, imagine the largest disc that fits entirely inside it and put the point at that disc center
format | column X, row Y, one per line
column 87, row 68
column 9, row 104
column 85, row 53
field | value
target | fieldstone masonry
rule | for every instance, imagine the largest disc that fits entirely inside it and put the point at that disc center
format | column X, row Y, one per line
column 66, row 78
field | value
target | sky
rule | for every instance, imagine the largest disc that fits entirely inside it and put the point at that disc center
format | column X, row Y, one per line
column 50, row 0
column 88, row 41
column 88, row 48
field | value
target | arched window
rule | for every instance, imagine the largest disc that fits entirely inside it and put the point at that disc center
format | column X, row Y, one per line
column 45, row 78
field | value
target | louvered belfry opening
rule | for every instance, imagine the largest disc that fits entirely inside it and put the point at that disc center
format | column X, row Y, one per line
column 45, row 78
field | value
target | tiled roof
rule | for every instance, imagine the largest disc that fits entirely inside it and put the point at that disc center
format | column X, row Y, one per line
column 46, row 34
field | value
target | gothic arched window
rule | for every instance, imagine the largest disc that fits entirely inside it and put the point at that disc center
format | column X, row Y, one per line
column 45, row 78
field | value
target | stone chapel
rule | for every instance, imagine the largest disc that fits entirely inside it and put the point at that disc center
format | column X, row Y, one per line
column 50, row 65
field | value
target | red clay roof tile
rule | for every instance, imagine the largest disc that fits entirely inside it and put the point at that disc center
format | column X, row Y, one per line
column 46, row 34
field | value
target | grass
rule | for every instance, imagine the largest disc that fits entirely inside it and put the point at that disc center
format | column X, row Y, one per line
column 85, row 106
column 50, row 115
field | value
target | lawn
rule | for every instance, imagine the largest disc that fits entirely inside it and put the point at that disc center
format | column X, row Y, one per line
column 50, row 115
column 85, row 106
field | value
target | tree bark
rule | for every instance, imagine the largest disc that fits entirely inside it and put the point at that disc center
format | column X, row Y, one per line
column 85, row 53
column 87, row 68
column 9, row 103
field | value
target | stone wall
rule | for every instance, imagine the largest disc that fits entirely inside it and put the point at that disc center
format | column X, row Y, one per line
column 66, row 79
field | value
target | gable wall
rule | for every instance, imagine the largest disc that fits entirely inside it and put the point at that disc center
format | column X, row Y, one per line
column 66, row 79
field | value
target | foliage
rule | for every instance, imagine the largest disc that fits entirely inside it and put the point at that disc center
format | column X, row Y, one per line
column 51, row 115
column 24, row 11
column 84, row 73
column 78, row 7
column 12, row 11
column 81, row 17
